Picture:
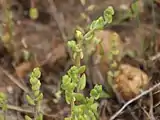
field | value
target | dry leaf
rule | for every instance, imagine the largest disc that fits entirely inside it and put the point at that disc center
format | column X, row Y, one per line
column 131, row 81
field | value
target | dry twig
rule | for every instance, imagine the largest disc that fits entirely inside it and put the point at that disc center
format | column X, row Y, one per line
column 14, row 80
column 134, row 99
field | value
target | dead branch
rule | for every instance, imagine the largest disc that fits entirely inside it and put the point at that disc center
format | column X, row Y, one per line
column 134, row 99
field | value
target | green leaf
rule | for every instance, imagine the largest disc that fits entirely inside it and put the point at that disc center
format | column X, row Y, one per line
column 94, row 107
column 26, row 55
column 90, row 100
column 108, row 19
column 30, row 100
column 81, row 69
column 71, row 44
column 110, row 73
column 89, row 36
column 4, row 107
column 74, row 55
column 134, row 7
column 69, row 97
column 105, row 95
column 79, row 35
column 66, row 79
column 81, row 55
column 39, row 117
column 97, row 24
column 109, row 11
column 40, row 97
column 36, row 72
column 71, row 86
column 36, row 86
column 33, row 80
column 91, row 115
column 96, row 92
column 86, row 117
column 79, row 97
column 115, row 52
column 33, row 13
column 82, row 82
column 27, row 117
column 3, row 96
column 114, row 64
column 68, row 118
column 131, row 53
column 96, row 41
column 36, row 93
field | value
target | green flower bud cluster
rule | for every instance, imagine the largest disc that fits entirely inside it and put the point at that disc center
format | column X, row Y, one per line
column 36, row 96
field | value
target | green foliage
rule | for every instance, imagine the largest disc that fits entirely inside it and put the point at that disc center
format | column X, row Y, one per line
column 35, row 85
column 3, row 104
column 83, row 108
column 36, row 96
column 3, row 100
column 135, row 8
column 27, row 117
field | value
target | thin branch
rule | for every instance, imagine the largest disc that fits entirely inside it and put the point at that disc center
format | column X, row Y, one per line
column 59, row 18
column 31, row 111
column 151, row 107
column 14, row 80
column 156, row 105
column 134, row 99
column 155, row 57
column 20, row 109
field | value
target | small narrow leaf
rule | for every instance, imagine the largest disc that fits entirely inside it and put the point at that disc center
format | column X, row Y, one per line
column 79, row 97
column 97, row 24
column 33, row 80
column 82, row 69
column 109, row 11
column 40, row 117
column 36, row 93
column 4, row 107
column 36, row 86
column 105, row 95
column 30, row 100
column 68, row 118
column 82, row 82
column 79, row 35
column 36, row 72
column 27, row 117
column 40, row 97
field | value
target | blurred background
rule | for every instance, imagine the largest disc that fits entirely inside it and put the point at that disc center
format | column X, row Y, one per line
column 40, row 40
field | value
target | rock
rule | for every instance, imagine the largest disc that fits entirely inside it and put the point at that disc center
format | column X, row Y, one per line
column 131, row 81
